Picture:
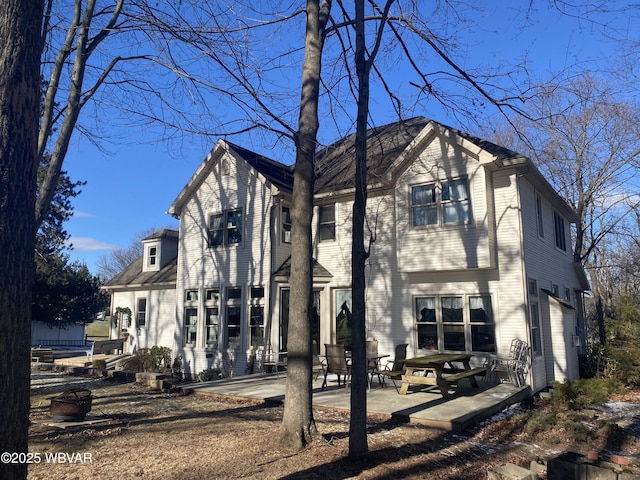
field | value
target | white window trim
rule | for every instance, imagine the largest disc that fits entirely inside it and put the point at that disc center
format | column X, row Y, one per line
column 440, row 203
column 225, row 229
column 466, row 317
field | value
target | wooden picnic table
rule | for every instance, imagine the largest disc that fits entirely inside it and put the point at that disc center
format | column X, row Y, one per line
column 439, row 370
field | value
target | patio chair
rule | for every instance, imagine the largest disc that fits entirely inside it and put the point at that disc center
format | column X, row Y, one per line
column 515, row 367
column 336, row 363
column 393, row 369
column 318, row 366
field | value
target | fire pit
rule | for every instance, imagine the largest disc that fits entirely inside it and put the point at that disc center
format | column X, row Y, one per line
column 72, row 405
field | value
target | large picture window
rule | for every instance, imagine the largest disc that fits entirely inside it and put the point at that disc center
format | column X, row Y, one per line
column 225, row 228
column 455, row 323
column 444, row 203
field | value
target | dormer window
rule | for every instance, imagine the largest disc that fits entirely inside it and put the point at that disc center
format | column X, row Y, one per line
column 152, row 257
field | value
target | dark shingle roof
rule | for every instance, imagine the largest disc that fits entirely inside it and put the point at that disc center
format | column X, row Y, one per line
column 163, row 233
column 335, row 164
column 277, row 173
column 134, row 276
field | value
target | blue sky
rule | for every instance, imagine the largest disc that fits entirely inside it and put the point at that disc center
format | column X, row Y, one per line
column 130, row 187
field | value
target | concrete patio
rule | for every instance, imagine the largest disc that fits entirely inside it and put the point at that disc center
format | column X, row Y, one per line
column 465, row 407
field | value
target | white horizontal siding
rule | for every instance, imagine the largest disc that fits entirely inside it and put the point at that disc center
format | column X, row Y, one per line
column 444, row 247
column 246, row 265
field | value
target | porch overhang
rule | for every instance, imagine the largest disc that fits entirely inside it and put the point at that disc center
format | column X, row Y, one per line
column 320, row 274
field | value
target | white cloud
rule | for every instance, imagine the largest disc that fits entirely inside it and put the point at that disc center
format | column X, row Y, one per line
column 88, row 244
column 83, row 214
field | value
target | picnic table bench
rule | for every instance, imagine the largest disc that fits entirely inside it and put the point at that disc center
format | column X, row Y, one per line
column 438, row 370
column 42, row 355
column 104, row 346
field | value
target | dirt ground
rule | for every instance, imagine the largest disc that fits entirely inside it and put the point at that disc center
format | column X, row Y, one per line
column 154, row 435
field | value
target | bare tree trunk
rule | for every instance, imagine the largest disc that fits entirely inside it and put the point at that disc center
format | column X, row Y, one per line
column 20, row 40
column 298, row 425
column 358, row 425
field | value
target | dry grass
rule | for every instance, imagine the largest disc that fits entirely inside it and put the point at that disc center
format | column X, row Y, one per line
column 160, row 436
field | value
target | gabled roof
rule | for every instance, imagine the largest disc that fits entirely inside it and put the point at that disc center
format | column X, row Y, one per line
column 276, row 173
column 335, row 165
column 319, row 272
column 133, row 276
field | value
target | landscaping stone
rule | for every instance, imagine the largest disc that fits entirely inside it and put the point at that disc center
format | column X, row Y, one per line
column 509, row 471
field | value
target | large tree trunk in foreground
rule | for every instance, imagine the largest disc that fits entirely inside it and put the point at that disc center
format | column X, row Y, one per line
column 20, row 47
column 298, row 425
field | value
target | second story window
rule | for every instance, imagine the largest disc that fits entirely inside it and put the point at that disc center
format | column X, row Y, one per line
column 539, row 217
column 286, row 225
column 559, row 230
column 424, row 209
column 446, row 203
column 327, row 227
column 455, row 201
column 225, row 228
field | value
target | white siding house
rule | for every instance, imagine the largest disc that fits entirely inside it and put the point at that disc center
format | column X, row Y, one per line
column 472, row 250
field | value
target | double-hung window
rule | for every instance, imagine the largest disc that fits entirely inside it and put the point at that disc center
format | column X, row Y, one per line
column 153, row 256
column 190, row 327
column 424, row 209
column 286, row 224
column 455, row 201
column 534, row 318
column 141, row 313
column 539, row 216
column 225, row 228
column 212, row 316
column 440, row 203
column 559, row 230
column 327, row 227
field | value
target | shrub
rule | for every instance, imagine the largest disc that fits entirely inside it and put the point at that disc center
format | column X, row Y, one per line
column 210, row 374
column 154, row 358
column 133, row 364
column 585, row 392
column 99, row 364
